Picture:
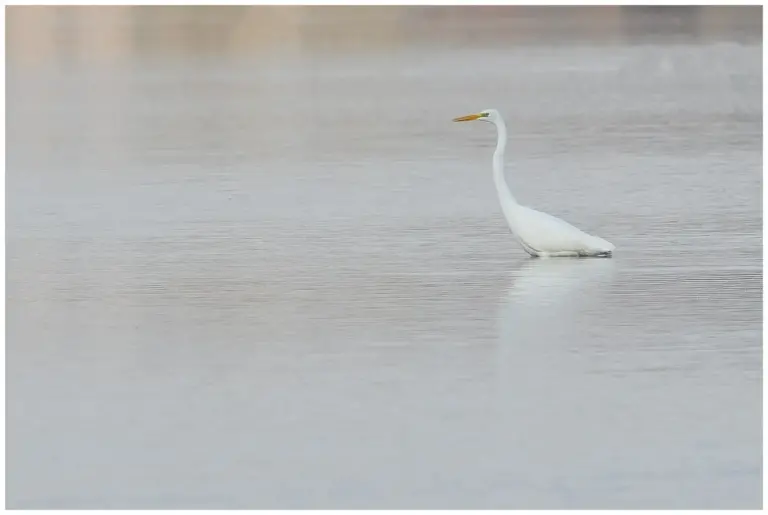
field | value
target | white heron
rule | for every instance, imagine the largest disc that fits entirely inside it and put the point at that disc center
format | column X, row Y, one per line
column 540, row 234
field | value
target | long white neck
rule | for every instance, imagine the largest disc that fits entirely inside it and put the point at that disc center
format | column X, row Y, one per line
column 508, row 202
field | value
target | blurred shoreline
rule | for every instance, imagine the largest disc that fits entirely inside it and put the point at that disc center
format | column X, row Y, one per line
column 42, row 35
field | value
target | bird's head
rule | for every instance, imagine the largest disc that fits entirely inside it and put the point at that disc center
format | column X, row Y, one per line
column 487, row 115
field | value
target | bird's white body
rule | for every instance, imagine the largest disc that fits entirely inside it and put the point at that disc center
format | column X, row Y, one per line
column 543, row 235
column 540, row 234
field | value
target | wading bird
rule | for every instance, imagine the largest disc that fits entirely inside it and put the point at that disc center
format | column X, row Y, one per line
column 540, row 234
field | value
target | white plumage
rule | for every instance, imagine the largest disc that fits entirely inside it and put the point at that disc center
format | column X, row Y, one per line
column 540, row 234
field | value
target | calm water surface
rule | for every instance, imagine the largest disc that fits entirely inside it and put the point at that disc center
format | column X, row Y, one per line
column 282, row 280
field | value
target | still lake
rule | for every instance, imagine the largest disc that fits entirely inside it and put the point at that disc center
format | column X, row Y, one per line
column 281, row 278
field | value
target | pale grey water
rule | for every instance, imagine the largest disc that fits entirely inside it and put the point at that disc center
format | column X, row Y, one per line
column 278, row 276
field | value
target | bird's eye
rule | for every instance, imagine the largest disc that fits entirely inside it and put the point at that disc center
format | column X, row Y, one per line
column 484, row 115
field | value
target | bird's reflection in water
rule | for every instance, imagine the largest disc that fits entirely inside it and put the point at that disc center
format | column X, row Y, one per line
column 553, row 282
column 547, row 315
column 543, row 383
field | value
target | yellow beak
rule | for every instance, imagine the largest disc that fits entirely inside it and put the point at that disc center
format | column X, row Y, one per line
column 467, row 118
